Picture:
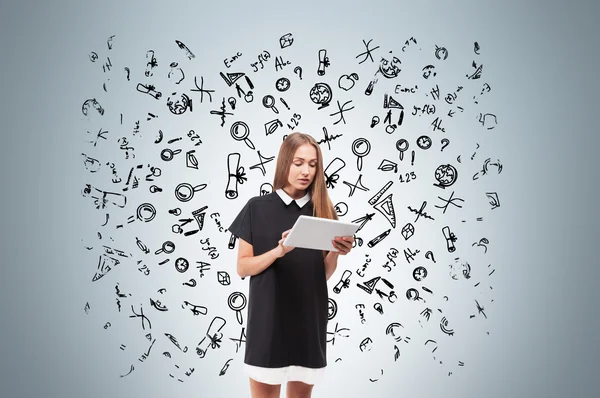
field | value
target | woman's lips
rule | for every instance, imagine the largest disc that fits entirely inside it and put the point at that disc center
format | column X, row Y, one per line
column 304, row 181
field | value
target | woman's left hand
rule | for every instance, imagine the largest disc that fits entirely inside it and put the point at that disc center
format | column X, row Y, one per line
column 343, row 244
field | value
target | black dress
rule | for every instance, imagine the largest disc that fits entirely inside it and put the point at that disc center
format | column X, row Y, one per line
column 288, row 301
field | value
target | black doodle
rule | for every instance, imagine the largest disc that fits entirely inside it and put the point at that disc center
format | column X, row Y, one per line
column 410, row 255
column 261, row 164
column 184, row 192
column 378, row 238
column 238, row 177
column 241, row 298
column 323, row 62
column 332, row 309
column 445, row 142
column 298, row 71
column 419, row 273
column 187, row 51
column 361, row 314
column 344, row 282
column 225, row 367
column 446, row 175
column 449, row 201
column 222, row 113
column 213, row 337
column 341, row 111
column 363, row 220
column 336, row 333
column 388, row 165
column 360, row 154
column 321, row 94
column 141, row 315
column 482, row 242
column 346, row 82
column 182, row 265
column 265, row 189
column 202, row 267
column 158, row 305
column 420, row 212
column 280, row 63
column 360, row 272
column 196, row 309
column 261, row 59
column 366, row 344
column 341, row 209
column 391, row 255
column 228, row 61
column 238, row 342
column 167, row 247
column 493, row 199
column 378, row 307
column 429, row 256
column 407, row 231
column 202, row 90
column 176, row 74
column 357, row 185
column 282, row 84
column 235, row 133
column 328, row 138
column 148, row 89
column 286, row 40
column 374, row 121
column 331, row 176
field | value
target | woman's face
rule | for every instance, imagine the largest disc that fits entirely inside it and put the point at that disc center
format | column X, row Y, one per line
column 302, row 171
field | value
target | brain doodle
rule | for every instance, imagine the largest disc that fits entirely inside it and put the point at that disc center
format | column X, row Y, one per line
column 166, row 195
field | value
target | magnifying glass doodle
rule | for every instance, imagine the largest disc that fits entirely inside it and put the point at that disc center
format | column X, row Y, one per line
column 269, row 102
column 235, row 133
column 168, row 247
column 168, row 154
column 402, row 146
column 355, row 145
column 185, row 192
column 241, row 304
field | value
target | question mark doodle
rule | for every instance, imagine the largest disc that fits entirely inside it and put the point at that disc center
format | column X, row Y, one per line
column 445, row 142
column 127, row 70
column 429, row 255
column 298, row 71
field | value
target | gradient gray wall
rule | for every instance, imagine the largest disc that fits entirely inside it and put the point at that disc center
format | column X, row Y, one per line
column 541, row 61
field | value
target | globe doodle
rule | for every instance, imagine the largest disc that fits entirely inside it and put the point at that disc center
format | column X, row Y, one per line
column 321, row 94
column 446, row 175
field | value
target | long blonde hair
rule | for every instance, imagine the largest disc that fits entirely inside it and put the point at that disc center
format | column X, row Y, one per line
column 322, row 205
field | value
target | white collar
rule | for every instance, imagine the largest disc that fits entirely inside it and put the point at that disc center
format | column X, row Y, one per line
column 288, row 199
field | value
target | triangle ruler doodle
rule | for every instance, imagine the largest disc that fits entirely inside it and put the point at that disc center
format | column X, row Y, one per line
column 386, row 207
column 231, row 77
column 369, row 285
column 389, row 102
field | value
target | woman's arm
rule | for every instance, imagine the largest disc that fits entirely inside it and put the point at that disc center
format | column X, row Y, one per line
column 330, row 263
column 249, row 265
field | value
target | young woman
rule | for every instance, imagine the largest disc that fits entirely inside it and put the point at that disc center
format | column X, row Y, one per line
column 288, row 300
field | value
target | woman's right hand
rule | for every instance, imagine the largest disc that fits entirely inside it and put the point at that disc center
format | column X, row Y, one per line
column 282, row 250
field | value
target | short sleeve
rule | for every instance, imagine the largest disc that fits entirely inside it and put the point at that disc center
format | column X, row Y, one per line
column 242, row 225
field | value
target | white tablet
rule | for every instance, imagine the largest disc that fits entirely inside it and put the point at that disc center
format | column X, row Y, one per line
column 317, row 233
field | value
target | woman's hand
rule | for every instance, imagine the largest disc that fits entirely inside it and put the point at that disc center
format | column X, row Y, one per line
column 282, row 250
column 343, row 244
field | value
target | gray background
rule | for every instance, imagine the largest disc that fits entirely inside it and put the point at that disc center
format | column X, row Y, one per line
column 543, row 59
